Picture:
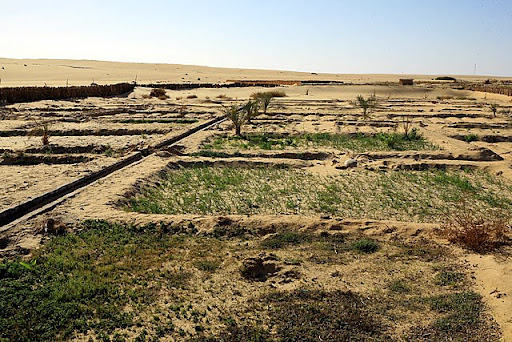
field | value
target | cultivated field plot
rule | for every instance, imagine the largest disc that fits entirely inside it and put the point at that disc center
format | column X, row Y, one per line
column 314, row 224
column 82, row 136
column 424, row 196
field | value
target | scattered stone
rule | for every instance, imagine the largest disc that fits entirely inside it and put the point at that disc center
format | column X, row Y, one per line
column 163, row 154
column 4, row 242
column 350, row 163
column 50, row 225
column 259, row 268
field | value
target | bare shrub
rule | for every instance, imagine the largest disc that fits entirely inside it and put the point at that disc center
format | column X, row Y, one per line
column 192, row 97
column 223, row 97
column 183, row 111
column 477, row 230
column 277, row 93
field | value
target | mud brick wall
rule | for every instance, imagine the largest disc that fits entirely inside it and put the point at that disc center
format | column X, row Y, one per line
column 30, row 94
column 493, row 89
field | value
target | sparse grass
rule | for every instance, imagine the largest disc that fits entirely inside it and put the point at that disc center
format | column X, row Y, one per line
column 121, row 282
column 82, row 283
column 421, row 196
column 310, row 315
column 207, row 265
column 366, row 246
column 399, row 286
column 356, row 143
column 448, row 277
column 281, row 240
column 461, row 310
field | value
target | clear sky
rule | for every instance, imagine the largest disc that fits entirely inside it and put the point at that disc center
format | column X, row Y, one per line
column 338, row 36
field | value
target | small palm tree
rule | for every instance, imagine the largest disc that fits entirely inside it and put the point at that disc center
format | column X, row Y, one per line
column 366, row 104
column 238, row 117
column 252, row 108
column 263, row 99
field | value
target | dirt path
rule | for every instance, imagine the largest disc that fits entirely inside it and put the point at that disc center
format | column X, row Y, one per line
column 494, row 282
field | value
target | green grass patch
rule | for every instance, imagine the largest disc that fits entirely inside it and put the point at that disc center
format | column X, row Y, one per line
column 471, row 137
column 447, row 277
column 310, row 315
column 82, row 283
column 285, row 239
column 366, row 246
column 421, row 196
column 399, row 286
column 207, row 265
column 344, row 142
column 460, row 310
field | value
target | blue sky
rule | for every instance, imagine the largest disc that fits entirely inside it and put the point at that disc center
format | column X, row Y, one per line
column 365, row 36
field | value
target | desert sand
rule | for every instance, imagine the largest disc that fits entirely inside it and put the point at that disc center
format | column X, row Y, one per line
column 105, row 130
column 38, row 72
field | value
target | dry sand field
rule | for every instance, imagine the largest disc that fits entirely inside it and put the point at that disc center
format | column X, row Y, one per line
column 316, row 224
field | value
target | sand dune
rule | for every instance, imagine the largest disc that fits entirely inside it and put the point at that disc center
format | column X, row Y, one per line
column 59, row 72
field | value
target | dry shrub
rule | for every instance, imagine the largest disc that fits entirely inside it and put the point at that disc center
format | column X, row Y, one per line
column 192, row 96
column 50, row 225
column 223, row 97
column 159, row 93
column 477, row 230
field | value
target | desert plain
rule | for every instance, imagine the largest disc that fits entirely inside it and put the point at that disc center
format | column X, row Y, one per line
column 318, row 223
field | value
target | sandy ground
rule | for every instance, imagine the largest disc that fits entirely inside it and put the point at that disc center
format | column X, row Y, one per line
column 441, row 113
column 16, row 72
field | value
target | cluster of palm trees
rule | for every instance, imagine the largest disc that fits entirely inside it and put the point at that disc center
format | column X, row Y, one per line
column 257, row 105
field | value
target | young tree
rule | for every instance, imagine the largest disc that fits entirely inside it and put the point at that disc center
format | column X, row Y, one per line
column 366, row 104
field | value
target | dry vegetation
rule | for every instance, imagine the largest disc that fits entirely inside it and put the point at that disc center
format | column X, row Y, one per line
column 477, row 229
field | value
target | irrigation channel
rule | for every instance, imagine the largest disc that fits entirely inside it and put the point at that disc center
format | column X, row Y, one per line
column 30, row 207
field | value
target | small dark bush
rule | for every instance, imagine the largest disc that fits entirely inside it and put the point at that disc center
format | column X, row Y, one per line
column 284, row 239
column 159, row 93
column 446, row 78
column 366, row 246
column 471, row 137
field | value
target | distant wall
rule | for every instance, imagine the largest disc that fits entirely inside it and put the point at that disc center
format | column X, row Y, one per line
column 503, row 90
column 30, row 94
column 188, row 86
